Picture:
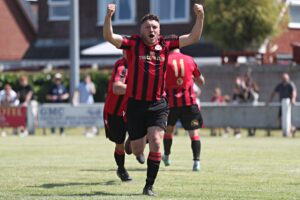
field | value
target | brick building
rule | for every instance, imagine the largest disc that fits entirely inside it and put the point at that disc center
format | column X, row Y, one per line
column 18, row 28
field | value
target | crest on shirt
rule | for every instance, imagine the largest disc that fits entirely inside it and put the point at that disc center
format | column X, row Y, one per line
column 194, row 123
column 179, row 81
column 158, row 47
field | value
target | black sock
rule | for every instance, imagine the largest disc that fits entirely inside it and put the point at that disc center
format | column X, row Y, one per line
column 168, row 139
column 120, row 158
column 153, row 163
column 196, row 148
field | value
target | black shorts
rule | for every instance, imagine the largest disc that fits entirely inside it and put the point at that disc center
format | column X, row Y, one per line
column 189, row 116
column 144, row 114
column 115, row 128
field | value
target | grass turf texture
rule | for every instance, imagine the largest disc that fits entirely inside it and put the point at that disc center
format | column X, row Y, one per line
column 74, row 167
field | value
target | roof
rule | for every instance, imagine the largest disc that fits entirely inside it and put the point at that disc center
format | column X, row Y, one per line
column 27, row 10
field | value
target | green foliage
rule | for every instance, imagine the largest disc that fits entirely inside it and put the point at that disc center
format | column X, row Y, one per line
column 42, row 82
column 240, row 24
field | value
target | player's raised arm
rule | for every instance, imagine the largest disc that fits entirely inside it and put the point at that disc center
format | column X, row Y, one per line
column 108, row 33
column 195, row 34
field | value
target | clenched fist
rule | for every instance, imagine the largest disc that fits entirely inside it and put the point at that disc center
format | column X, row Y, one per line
column 198, row 9
column 111, row 8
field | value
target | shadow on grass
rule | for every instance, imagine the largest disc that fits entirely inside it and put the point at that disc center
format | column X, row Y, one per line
column 54, row 185
column 98, row 193
column 109, row 170
column 138, row 170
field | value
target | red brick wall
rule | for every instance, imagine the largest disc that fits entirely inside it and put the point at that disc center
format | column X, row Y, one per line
column 15, row 32
column 285, row 39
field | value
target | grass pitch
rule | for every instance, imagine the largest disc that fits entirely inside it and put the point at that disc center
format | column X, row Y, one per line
column 75, row 167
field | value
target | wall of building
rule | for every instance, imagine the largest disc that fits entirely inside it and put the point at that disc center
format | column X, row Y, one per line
column 15, row 34
column 88, row 22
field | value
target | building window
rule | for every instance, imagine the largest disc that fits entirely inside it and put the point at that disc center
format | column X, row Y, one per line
column 125, row 11
column 59, row 10
column 294, row 11
column 171, row 11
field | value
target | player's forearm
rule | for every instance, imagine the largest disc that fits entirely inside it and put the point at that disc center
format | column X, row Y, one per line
column 197, row 29
column 195, row 34
column 109, row 35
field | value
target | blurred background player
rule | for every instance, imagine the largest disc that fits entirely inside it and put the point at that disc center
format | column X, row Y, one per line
column 114, row 108
column 181, row 72
column 147, row 108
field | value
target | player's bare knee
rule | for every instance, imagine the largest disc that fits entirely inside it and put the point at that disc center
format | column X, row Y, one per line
column 120, row 147
column 193, row 133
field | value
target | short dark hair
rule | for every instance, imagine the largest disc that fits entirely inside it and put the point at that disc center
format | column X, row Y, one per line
column 149, row 17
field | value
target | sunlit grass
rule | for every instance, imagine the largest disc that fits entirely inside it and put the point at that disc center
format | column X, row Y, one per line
column 75, row 167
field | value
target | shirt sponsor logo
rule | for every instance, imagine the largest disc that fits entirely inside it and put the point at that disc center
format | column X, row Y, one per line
column 158, row 47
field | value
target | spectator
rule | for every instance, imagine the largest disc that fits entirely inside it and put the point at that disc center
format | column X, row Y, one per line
column 57, row 94
column 218, row 98
column 285, row 89
column 252, row 95
column 239, row 96
column 252, row 89
column 84, row 95
column 8, row 97
column 24, row 93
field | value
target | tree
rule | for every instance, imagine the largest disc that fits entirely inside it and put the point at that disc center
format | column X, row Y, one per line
column 240, row 25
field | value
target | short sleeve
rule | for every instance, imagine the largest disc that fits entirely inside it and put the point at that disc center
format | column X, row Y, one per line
column 277, row 88
column 172, row 42
column 128, row 41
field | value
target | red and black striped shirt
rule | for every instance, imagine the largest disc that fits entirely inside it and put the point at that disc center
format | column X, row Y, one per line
column 116, row 104
column 147, row 66
column 179, row 82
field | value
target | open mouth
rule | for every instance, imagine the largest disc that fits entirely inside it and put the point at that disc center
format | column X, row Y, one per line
column 151, row 35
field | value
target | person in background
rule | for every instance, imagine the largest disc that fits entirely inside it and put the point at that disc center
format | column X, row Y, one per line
column 218, row 98
column 252, row 95
column 8, row 97
column 239, row 96
column 24, row 93
column 84, row 95
column 57, row 94
column 285, row 89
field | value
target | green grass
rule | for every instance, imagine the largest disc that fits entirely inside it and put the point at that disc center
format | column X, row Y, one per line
column 75, row 167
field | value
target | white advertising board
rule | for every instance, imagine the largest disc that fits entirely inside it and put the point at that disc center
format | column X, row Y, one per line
column 67, row 115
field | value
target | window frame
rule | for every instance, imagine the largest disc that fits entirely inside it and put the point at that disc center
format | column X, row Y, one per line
column 52, row 5
column 291, row 24
column 154, row 8
column 117, row 21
